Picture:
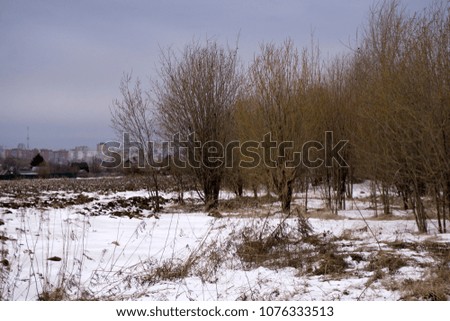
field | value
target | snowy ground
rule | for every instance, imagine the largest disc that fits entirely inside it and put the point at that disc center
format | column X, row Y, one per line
column 105, row 245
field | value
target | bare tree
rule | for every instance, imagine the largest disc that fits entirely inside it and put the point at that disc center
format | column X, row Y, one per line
column 328, row 111
column 133, row 120
column 195, row 98
column 280, row 78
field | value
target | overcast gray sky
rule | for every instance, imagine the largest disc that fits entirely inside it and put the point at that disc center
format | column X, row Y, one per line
column 61, row 61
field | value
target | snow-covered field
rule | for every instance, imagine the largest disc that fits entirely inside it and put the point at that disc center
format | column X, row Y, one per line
column 105, row 245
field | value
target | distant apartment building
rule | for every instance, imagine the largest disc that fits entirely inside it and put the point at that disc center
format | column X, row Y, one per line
column 20, row 152
column 102, row 151
column 61, row 157
column 79, row 153
column 48, row 155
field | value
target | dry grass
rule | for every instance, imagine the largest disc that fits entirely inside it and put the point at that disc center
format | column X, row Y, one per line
column 203, row 261
column 312, row 254
column 240, row 203
column 168, row 270
column 323, row 214
column 56, row 294
column 386, row 260
column 391, row 217
column 434, row 287
column 330, row 262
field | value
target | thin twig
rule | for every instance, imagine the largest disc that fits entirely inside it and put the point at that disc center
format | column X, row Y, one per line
column 367, row 224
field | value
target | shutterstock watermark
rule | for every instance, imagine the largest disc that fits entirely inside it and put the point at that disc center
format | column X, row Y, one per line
column 184, row 152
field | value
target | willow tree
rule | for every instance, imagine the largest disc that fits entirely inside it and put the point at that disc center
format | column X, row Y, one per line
column 402, row 72
column 195, row 97
column 280, row 77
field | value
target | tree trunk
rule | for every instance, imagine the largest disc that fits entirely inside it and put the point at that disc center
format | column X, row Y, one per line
column 350, row 184
column 446, row 202
column 286, row 197
column 373, row 196
column 437, row 199
column 255, row 191
column 181, row 189
column 211, row 189
column 419, row 212
column 306, row 193
column 385, row 198
column 328, row 190
column 156, row 201
column 240, row 186
column 342, row 181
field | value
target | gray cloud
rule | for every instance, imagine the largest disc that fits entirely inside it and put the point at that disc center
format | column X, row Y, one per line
column 61, row 61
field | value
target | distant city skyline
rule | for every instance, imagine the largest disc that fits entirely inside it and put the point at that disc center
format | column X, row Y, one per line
column 61, row 61
column 62, row 156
